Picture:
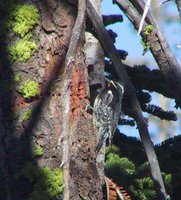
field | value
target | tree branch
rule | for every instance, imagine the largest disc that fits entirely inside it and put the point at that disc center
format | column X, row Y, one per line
column 77, row 30
column 69, row 64
column 178, row 2
column 158, row 45
column 109, row 47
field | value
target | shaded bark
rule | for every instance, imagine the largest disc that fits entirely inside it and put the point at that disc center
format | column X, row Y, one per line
column 80, row 172
column 20, row 138
column 95, row 64
column 45, row 127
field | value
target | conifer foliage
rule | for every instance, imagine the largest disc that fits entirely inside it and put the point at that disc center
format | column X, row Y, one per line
column 126, row 165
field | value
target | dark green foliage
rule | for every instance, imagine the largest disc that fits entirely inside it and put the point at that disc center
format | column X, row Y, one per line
column 170, row 160
column 112, row 149
column 122, row 164
column 125, row 174
column 111, row 19
column 167, row 178
column 127, row 165
column 129, row 122
column 159, row 112
column 142, row 189
column 113, row 35
column 143, row 169
column 120, row 169
column 130, row 147
column 144, row 97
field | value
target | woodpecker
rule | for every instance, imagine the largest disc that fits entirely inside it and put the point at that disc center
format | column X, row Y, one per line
column 107, row 111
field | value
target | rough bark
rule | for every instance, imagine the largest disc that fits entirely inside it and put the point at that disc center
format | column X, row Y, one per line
column 79, row 165
column 95, row 64
column 19, row 138
column 80, row 172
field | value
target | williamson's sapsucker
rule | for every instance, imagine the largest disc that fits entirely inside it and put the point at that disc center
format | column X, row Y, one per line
column 107, row 111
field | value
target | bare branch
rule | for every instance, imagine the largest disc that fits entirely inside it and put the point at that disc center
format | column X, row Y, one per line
column 109, row 47
column 158, row 45
column 77, row 30
column 70, row 57
column 178, row 2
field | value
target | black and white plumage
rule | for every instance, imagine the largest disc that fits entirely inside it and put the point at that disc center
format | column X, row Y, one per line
column 107, row 111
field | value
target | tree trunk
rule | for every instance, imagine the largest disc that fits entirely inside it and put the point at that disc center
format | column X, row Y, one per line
column 95, row 62
column 20, row 138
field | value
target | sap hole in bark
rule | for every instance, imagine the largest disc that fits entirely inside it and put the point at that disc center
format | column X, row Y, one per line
column 90, row 68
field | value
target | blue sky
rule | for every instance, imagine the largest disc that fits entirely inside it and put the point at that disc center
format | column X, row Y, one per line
column 129, row 40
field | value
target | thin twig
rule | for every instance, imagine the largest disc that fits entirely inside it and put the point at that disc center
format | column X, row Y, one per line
column 178, row 2
column 165, row 2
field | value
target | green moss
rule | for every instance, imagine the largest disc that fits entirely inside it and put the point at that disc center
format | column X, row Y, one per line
column 148, row 29
column 30, row 89
column 26, row 115
column 21, row 50
column 144, row 42
column 146, row 45
column 38, row 152
column 17, row 77
column 23, row 18
column 46, row 183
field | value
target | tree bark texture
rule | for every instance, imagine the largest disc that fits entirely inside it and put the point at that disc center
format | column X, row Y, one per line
column 95, row 62
column 19, row 138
